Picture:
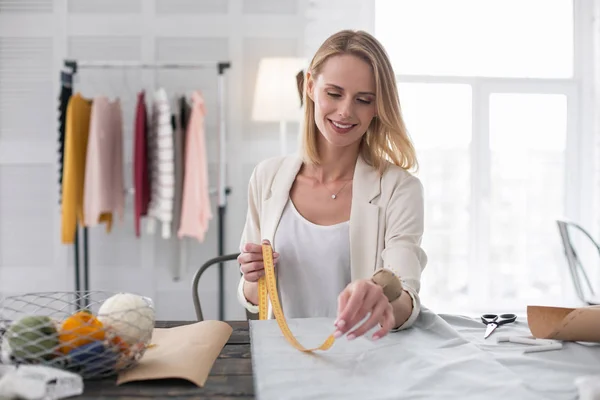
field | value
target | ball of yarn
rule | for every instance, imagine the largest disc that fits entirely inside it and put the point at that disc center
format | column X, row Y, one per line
column 94, row 358
column 129, row 316
column 33, row 337
column 79, row 329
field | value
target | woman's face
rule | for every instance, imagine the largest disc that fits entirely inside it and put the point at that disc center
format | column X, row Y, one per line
column 344, row 97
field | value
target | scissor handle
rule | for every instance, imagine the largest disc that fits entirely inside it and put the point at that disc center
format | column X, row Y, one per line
column 489, row 318
column 506, row 319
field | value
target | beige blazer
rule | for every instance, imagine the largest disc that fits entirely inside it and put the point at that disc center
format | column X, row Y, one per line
column 386, row 220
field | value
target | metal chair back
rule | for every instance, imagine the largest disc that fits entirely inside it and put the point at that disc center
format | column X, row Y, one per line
column 578, row 273
column 213, row 261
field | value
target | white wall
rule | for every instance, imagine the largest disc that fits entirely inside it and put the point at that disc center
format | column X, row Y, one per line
column 35, row 37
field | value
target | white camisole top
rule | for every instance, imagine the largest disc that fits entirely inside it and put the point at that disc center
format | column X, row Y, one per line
column 313, row 266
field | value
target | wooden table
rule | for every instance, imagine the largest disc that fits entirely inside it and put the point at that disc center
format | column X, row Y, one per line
column 230, row 377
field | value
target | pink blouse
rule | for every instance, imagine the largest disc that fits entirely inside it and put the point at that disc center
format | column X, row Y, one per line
column 195, row 207
column 104, row 190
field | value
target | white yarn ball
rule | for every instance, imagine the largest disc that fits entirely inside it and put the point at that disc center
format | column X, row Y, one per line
column 129, row 316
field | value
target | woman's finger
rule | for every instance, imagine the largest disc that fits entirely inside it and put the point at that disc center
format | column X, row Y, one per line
column 387, row 323
column 342, row 301
column 352, row 309
column 250, row 257
column 252, row 267
column 371, row 297
column 247, row 257
column 254, row 276
column 377, row 313
column 251, row 248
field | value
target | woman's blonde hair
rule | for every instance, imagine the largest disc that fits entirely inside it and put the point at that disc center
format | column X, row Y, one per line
column 386, row 139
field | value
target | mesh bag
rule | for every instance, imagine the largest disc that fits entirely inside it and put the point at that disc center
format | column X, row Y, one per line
column 95, row 334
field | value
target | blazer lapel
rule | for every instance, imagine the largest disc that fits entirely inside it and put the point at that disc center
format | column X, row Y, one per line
column 278, row 195
column 364, row 220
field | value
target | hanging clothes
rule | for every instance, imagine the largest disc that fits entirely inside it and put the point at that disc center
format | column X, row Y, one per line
column 162, row 161
column 77, row 122
column 104, row 191
column 141, row 179
column 184, row 116
column 178, row 137
column 196, row 207
column 66, row 91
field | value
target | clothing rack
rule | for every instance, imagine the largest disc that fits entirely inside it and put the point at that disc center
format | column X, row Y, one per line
column 222, row 190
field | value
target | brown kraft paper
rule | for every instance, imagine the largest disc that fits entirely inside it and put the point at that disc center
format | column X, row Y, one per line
column 184, row 352
column 570, row 324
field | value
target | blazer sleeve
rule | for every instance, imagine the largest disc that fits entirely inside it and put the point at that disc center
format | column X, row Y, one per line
column 402, row 252
column 250, row 234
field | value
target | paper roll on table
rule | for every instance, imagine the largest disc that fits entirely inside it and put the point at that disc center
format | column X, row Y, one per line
column 568, row 324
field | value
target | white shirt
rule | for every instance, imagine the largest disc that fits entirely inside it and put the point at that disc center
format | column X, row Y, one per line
column 162, row 162
column 313, row 265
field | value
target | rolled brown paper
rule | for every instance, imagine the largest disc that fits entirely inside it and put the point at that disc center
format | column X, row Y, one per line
column 580, row 324
column 183, row 352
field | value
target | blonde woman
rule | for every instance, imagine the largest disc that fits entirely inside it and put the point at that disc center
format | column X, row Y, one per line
column 345, row 218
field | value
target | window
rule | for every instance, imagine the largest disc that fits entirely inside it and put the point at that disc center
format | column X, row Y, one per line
column 509, row 38
column 492, row 112
column 438, row 117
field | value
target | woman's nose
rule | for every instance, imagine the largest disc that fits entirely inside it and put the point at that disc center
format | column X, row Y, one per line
column 345, row 110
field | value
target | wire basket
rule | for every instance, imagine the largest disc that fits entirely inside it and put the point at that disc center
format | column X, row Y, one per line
column 95, row 334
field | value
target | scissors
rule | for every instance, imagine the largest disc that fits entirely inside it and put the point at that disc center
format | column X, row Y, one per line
column 493, row 321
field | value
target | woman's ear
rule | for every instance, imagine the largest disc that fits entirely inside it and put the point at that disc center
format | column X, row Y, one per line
column 310, row 86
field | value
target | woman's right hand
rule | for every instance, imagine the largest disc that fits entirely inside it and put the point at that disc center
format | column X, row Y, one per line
column 251, row 262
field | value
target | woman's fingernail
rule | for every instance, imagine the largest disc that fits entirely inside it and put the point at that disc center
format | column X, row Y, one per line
column 351, row 336
column 337, row 334
column 275, row 254
column 341, row 323
column 376, row 337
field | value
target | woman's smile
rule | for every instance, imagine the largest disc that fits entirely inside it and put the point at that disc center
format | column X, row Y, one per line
column 341, row 127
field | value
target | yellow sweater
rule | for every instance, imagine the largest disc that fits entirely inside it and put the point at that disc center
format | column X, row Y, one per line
column 76, row 141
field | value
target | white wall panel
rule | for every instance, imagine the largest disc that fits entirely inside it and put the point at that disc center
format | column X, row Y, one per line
column 28, row 202
column 204, row 7
column 262, row 7
column 104, row 6
column 26, row 6
column 111, row 48
column 26, row 88
column 181, row 49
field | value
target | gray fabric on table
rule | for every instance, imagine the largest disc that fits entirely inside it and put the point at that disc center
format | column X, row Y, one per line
column 440, row 357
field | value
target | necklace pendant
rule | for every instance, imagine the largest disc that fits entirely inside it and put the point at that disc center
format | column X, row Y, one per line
column 333, row 196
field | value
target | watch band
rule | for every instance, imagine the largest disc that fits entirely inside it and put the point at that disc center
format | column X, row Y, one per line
column 392, row 287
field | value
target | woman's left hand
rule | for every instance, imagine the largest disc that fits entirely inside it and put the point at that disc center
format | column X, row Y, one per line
column 357, row 300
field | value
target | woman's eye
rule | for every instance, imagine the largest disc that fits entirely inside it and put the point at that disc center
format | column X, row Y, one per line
column 333, row 94
column 365, row 101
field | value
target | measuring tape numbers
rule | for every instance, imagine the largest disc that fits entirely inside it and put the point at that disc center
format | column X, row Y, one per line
column 267, row 286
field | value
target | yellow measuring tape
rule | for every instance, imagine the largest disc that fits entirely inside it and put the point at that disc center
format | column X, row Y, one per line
column 268, row 285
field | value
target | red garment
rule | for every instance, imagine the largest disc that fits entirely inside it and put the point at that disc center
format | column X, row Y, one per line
column 141, row 180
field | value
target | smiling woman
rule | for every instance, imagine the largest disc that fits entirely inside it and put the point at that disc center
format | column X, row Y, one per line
column 348, row 211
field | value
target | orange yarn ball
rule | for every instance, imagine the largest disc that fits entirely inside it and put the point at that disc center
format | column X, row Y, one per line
column 79, row 329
